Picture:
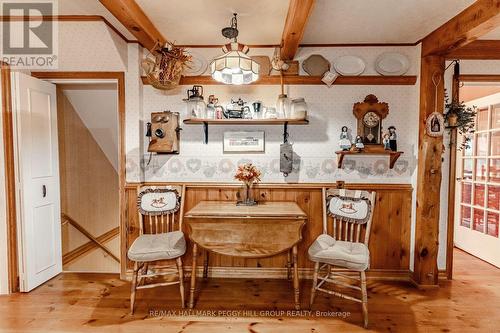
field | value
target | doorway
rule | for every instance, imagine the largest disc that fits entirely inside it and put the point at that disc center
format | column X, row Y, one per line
column 89, row 176
column 477, row 196
column 17, row 228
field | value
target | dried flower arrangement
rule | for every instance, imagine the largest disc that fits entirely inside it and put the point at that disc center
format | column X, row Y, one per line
column 460, row 116
column 165, row 65
column 248, row 174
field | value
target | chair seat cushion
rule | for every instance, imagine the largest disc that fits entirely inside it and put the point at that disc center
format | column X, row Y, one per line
column 152, row 247
column 325, row 249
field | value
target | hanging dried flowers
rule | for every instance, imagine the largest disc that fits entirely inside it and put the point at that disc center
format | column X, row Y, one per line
column 164, row 66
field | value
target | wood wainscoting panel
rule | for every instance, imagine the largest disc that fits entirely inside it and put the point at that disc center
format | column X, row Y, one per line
column 389, row 242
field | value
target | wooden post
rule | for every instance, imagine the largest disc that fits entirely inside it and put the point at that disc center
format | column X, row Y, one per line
column 452, row 180
column 430, row 151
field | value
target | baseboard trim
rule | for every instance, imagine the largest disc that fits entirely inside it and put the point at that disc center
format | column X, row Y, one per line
column 281, row 273
column 421, row 286
column 443, row 275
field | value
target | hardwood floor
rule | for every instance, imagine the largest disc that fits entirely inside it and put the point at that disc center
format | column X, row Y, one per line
column 100, row 303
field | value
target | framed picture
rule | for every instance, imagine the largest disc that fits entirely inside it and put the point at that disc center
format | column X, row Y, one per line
column 435, row 124
column 244, row 142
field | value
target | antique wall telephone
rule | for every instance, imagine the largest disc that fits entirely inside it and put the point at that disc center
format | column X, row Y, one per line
column 163, row 132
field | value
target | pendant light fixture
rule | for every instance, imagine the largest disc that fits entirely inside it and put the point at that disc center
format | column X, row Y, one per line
column 234, row 66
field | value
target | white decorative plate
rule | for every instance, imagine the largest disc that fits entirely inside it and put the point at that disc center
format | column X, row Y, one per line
column 197, row 66
column 392, row 63
column 349, row 65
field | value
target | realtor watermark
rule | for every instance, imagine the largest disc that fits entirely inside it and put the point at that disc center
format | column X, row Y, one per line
column 246, row 313
column 29, row 33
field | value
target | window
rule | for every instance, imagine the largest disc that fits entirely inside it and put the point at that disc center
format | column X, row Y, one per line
column 480, row 193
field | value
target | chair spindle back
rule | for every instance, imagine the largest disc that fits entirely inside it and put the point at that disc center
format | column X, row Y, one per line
column 344, row 228
column 160, row 209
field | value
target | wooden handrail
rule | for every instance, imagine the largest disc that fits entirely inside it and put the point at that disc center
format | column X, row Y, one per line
column 89, row 246
column 87, row 234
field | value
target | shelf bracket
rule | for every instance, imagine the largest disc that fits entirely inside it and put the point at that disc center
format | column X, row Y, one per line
column 205, row 132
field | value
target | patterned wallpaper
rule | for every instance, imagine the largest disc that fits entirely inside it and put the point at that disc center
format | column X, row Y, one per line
column 90, row 46
column 314, row 145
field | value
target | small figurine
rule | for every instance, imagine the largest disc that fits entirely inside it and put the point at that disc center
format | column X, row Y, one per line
column 386, row 141
column 359, row 143
column 392, row 138
column 344, row 142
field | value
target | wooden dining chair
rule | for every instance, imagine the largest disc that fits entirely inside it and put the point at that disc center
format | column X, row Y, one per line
column 343, row 246
column 160, row 239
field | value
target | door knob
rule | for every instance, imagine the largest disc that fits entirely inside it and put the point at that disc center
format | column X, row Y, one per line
column 44, row 191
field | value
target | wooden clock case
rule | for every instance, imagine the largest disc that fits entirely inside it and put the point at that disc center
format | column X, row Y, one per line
column 360, row 109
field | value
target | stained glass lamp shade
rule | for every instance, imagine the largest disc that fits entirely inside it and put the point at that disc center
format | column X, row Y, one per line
column 234, row 66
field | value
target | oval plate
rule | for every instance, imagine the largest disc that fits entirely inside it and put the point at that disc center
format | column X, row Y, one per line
column 392, row 63
column 349, row 65
column 197, row 66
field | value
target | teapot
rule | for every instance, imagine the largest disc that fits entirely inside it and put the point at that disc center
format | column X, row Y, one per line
column 237, row 109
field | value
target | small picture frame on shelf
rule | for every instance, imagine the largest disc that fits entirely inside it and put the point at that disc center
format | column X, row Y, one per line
column 244, row 142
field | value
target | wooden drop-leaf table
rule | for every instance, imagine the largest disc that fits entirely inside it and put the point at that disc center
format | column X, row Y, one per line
column 263, row 230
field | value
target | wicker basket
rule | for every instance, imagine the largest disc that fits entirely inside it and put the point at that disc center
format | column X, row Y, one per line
column 165, row 71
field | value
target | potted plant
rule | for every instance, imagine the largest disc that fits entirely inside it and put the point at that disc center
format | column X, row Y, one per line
column 462, row 117
column 249, row 175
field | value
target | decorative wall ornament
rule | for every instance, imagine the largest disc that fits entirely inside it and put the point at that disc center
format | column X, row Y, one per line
column 243, row 142
column 328, row 166
column 316, row 65
column 434, row 124
column 401, row 167
column 370, row 114
column 209, row 170
column 175, row 166
column 286, row 158
column 312, row 171
column 345, row 142
column 164, row 66
column 193, row 164
column 349, row 166
column 380, row 167
column 226, row 165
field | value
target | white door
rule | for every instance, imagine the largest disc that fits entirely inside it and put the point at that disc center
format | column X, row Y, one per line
column 39, row 216
column 477, row 203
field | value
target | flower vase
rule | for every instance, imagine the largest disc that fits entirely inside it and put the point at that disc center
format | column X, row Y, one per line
column 247, row 199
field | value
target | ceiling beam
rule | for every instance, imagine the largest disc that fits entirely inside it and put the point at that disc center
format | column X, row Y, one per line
column 295, row 25
column 133, row 18
column 477, row 50
column 473, row 22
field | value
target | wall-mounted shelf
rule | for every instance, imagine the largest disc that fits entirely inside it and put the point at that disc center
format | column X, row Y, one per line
column 235, row 121
column 307, row 80
column 206, row 122
column 393, row 155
